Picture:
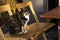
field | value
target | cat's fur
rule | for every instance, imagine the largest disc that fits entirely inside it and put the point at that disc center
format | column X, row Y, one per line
column 25, row 14
column 19, row 21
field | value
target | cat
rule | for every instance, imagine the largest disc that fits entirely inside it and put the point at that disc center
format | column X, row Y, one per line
column 25, row 17
column 19, row 21
column 15, row 24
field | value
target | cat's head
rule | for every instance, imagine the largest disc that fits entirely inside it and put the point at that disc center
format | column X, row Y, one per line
column 24, row 13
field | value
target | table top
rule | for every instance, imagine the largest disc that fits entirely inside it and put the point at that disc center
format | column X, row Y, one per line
column 54, row 13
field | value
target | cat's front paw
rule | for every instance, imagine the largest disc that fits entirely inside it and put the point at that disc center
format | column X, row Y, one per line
column 25, row 30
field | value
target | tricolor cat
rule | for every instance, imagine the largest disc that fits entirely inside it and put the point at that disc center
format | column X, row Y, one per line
column 19, row 21
column 24, row 14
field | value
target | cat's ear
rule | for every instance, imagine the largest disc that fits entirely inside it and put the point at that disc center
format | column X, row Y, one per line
column 21, row 10
column 26, row 8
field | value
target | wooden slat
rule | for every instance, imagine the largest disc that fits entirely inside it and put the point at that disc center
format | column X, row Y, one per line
column 6, row 8
column 43, row 26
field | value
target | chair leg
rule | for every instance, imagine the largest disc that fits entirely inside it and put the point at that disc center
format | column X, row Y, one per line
column 44, row 36
column 2, row 35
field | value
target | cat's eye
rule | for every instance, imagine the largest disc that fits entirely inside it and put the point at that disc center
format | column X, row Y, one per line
column 26, row 14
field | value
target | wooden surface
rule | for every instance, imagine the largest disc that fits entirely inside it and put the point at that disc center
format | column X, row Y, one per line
column 54, row 13
column 33, row 30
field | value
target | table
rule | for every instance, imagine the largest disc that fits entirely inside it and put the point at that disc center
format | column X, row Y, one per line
column 54, row 13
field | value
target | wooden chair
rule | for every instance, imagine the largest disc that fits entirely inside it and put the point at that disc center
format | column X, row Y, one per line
column 37, row 27
column 7, row 36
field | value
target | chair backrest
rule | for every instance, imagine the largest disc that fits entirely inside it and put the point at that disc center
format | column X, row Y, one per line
column 6, row 8
column 22, row 5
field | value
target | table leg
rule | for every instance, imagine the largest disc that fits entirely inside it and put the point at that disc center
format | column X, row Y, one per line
column 44, row 36
column 58, row 23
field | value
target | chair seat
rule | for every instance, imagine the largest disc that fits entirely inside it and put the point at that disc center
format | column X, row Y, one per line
column 32, row 30
column 39, row 26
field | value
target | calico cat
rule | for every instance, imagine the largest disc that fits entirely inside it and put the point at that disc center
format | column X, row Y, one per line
column 15, row 24
column 19, row 21
column 24, row 14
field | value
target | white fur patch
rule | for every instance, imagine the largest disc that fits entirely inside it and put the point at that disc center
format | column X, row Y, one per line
column 24, row 29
